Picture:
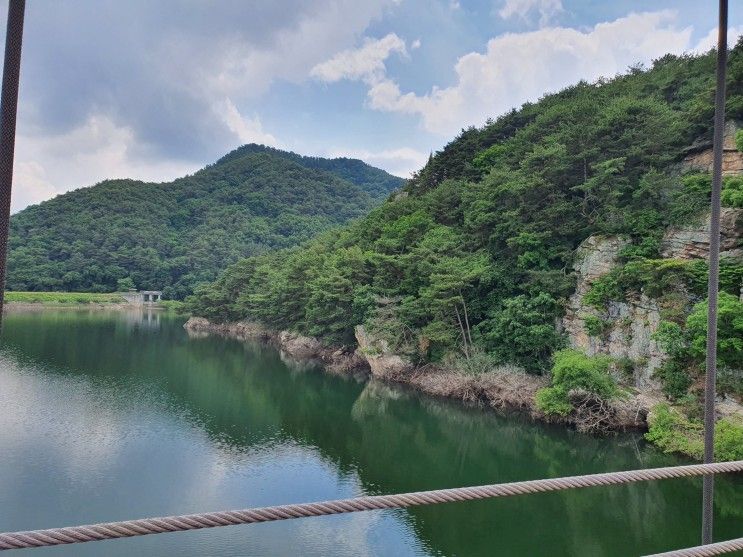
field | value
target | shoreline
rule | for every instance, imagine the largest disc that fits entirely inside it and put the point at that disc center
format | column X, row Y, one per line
column 503, row 391
column 32, row 306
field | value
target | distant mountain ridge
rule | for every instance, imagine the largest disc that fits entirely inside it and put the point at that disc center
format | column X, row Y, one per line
column 173, row 235
column 373, row 180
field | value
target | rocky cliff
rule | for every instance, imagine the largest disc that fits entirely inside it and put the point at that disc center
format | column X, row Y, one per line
column 627, row 327
column 699, row 155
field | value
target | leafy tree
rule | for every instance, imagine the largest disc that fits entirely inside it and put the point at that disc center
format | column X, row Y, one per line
column 522, row 330
column 729, row 331
column 124, row 284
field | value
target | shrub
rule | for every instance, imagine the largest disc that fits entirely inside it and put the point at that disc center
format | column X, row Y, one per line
column 732, row 192
column 554, row 401
column 604, row 290
column 575, row 371
column 675, row 379
column 739, row 140
column 729, row 331
column 729, row 439
column 671, row 339
column 675, row 433
column 730, row 381
column 595, row 326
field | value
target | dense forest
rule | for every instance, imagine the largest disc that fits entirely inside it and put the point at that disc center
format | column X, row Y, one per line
column 171, row 236
column 473, row 259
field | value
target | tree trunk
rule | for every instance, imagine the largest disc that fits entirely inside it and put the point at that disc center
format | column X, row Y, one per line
column 464, row 335
column 466, row 318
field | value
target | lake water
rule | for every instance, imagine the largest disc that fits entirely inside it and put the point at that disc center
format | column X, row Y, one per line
column 114, row 415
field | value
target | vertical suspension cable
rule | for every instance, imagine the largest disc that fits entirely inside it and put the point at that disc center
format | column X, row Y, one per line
column 714, row 271
column 8, row 110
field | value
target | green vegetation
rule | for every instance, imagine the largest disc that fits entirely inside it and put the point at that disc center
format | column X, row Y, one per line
column 475, row 255
column 732, row 193
column 62, row 298
column 174, row 306
column 660, row 277
column 675, row 433
column 595, row 326
column 122, row 234
column 686, row 347
column 575, row 372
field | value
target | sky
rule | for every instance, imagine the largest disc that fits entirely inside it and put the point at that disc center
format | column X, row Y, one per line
column 156, row 90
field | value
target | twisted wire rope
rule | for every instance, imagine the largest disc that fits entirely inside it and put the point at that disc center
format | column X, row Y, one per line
column 708, row 486
column 718, row 548
column 180, row 523
column 8, row 113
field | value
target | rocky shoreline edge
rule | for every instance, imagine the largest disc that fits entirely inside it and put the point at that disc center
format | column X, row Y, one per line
column 500, row 390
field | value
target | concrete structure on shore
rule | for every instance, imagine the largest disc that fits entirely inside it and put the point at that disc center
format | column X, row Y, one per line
column 143, row 297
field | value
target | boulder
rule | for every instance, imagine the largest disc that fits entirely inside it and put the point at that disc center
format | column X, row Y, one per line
column 298, row 346
column 383, row 363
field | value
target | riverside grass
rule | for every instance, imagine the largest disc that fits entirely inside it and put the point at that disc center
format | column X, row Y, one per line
column 63, row 298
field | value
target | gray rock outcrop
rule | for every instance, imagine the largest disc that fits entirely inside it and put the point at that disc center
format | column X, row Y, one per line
column 629, row 325
column 383, row 363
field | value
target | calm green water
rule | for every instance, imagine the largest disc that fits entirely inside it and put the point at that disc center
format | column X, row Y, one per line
column 107, row 416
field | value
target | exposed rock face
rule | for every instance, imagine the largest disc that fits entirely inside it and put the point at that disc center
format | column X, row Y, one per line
column 243, row 330
column 596, row 256
column 692, row 241
column 298, row 346
column 699, row 155
column 382, row 361
column 629, row 325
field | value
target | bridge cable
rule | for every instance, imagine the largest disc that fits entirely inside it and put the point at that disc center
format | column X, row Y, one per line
column 708, row 485
column 718, row 548
column 8, row 111
column 182, row 523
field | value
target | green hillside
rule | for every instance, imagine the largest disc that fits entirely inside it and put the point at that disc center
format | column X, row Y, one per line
column 174, row 235
column 475, row 258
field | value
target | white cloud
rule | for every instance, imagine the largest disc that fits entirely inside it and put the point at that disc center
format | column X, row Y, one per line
column 401, row 161
column 248, row 130
column 47, row 165
column 365, row 63
column 516, row 68
column 547, row 9
column 295, row 53
column 709, row 41
column 162, row 100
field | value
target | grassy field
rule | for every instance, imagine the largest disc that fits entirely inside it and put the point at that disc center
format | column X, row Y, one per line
column 62, row 298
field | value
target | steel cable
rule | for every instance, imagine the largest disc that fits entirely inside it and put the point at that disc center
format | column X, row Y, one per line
column 8, row 111
column 180, row 523
column 718, row 548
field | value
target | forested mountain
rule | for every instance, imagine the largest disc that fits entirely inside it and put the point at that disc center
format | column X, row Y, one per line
column 174, row 235
column 475, row 256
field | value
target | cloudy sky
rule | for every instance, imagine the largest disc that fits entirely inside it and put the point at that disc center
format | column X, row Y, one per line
column 155, row 90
